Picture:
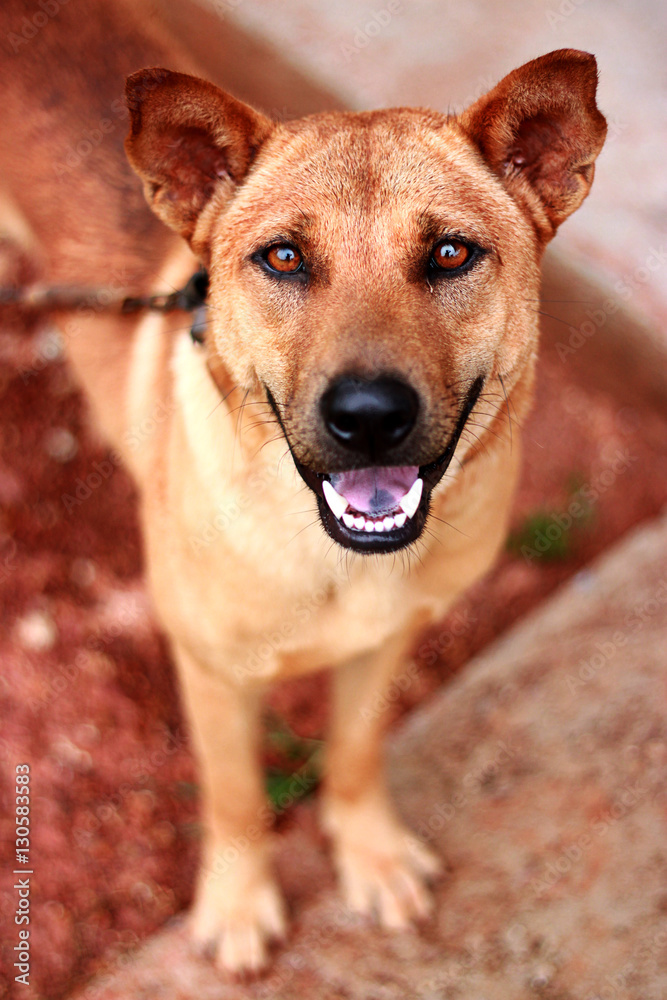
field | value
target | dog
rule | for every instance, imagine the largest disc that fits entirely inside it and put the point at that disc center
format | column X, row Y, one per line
column 349, row 426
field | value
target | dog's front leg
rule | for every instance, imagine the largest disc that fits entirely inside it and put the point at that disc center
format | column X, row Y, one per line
column 237, row 906
column 382, row 866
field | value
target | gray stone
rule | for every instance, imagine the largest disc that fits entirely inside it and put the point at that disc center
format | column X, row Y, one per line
column 539, row 774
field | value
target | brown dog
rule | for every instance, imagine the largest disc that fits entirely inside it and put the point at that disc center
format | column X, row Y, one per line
column 373, row 280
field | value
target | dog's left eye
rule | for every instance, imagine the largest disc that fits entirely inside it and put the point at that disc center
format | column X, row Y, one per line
column 450, row 255
column 284, row 258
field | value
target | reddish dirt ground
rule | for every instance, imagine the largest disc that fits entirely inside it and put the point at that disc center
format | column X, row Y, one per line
column 87, row 692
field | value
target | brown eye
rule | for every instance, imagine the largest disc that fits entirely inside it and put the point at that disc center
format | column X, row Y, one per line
column 450, row 254
column 284, row 258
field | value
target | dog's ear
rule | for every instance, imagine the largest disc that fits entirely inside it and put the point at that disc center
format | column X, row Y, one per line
column 188, row 140
column 540, row 131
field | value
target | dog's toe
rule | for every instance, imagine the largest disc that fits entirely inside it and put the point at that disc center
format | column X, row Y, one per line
column 234, row 928
column 242, row 950
column 387, row 887
column 384, row 869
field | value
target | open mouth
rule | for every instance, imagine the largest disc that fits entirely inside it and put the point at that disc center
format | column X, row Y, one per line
column 377, row 509
column 381, row 509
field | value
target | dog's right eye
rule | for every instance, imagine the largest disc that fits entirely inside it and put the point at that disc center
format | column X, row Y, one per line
column 283, row 258
column 450, row 255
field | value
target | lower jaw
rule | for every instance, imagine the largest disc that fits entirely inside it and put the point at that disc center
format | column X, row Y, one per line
column 372, row 542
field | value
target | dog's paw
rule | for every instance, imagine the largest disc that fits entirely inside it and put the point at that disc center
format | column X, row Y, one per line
column 383, row 868
column 234, row 919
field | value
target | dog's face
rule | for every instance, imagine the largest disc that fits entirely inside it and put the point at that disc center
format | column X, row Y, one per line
column 374, row 275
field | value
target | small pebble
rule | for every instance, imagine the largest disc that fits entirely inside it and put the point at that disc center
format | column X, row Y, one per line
column 71, row 755
column 49, row 345
column 163, row 833
column 98, row 665
column 542, row 976
column 82, row 572
column 143, row 891
column 37, row 631
column 61, row 445
column 656, row 751
column 584, row 580
column 87, row 734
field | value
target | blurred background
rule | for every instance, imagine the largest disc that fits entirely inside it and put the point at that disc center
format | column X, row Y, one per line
column 555, row 746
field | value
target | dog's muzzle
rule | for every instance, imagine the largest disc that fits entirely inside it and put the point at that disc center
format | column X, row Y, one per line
column 377, row 507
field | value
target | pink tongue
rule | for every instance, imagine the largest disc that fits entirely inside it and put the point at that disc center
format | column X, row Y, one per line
column 375, row 491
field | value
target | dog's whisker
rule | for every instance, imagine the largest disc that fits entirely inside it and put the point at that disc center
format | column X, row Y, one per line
column 583, row 302
column 488, row 430
column 449, row 524
column 509, row 415
column 277, row 437
column 431, row 533
column 222, row 400
column 262, row 423
column 252, row 402
column 557, row 319
column 478, row 441
column 236, row 431
column 305, row 527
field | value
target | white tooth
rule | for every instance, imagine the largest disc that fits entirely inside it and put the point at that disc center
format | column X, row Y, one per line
column 348, row 519
column 369, row 526
column 379, row 525
column 388, row 523
column 337, row 503
column 410, row 501
column 359, row 522
column 400, row 520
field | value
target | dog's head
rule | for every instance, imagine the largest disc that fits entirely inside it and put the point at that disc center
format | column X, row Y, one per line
column 374, row 275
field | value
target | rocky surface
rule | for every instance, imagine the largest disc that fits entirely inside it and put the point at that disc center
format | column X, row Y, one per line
column 540, row 776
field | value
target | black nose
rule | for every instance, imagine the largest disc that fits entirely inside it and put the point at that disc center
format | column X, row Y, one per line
column 370, row 416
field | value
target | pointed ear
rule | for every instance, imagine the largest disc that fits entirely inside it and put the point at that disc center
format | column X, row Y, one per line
column 188, row 140
column 540, row 131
